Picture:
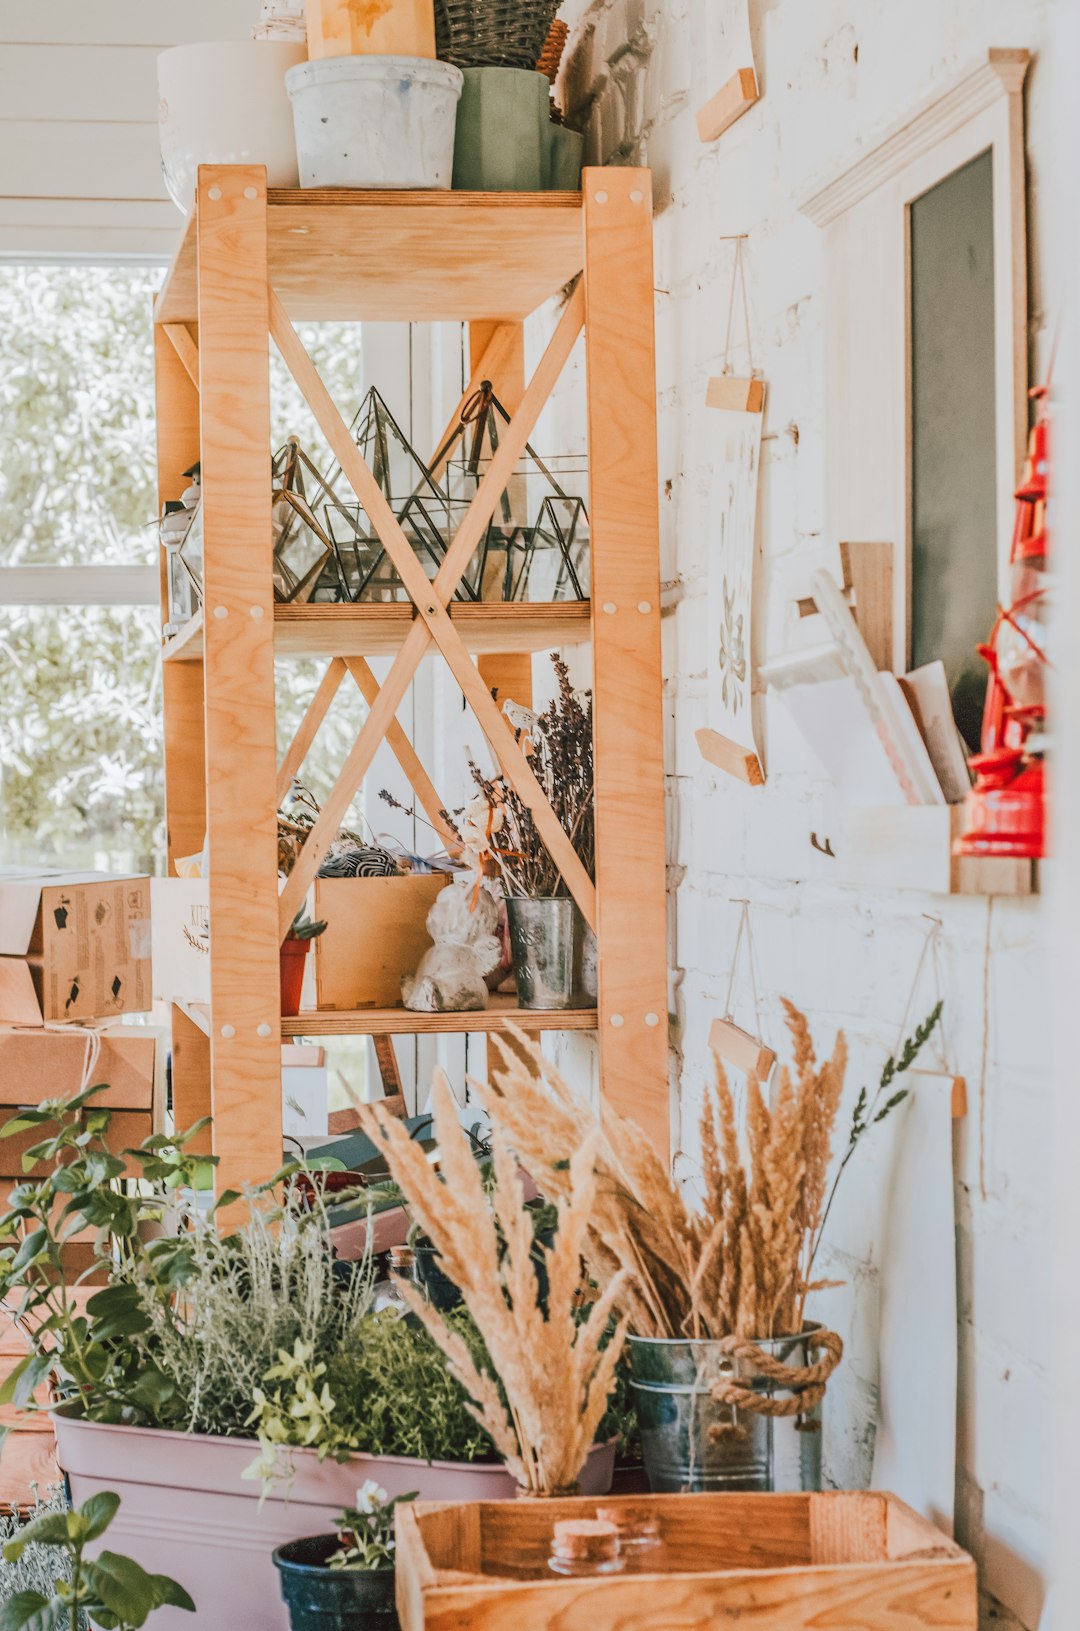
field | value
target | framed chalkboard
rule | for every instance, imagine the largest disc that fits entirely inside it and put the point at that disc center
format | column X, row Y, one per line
column 952, row 430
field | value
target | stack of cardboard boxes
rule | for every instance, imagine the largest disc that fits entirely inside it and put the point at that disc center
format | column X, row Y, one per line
column 74, row 951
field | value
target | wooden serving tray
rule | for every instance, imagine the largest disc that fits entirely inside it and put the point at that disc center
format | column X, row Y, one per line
column 861, row 1562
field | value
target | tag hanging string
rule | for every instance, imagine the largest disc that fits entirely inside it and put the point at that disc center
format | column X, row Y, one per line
column 738, row 282
column 744, row 926
column 930, row 950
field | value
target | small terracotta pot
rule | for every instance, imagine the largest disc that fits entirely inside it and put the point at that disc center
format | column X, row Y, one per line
column 293, row 953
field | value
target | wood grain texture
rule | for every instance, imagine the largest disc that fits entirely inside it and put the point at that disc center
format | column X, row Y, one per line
column 868, row 573
column 239, row 641
column 734, row 98
column 500, row 1012
column 380, row 630
column 182, row 688
column 785, row 1563
column 627, row 676
column 308, row 728
column 740, row 1048
column 407, row 256
column 192, row 1096
column 731, row 757
column 430, row 600
column 184, row 344
column 497, row 352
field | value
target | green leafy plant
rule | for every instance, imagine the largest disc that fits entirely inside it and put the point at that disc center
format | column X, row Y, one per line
column 869, row 1110
column 115, row 1592
column 95, row 1349
column 366, row 1531
column 191, row 1321
column 37, row 1566
column 394, row 1394
column 306, row 928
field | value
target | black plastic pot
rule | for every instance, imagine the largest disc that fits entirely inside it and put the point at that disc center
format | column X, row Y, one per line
column 444, row 1295
column 323, row 1599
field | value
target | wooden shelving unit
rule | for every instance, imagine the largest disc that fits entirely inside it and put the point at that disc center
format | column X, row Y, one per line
column 249, row 265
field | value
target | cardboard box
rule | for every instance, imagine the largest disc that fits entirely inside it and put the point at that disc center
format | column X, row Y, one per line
column 375, row 933
column 73, row 946
column 127, row 1130
column 181, row 939
column 39, row 1064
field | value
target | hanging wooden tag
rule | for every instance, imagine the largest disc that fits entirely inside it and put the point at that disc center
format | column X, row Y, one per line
column 736, row 394
column 734, row 98
column 739, row 1048
column 959, row 1095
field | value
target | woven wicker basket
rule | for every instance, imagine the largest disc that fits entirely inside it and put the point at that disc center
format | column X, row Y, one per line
column 493, row 33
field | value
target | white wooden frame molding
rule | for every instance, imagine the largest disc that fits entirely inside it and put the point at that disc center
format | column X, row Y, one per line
column 864, row 214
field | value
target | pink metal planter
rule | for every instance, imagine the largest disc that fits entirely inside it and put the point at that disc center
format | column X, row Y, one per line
column 187, row 1511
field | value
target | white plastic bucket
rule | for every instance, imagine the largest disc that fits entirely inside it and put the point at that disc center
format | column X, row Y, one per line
column 375, row 121
column 226, row 103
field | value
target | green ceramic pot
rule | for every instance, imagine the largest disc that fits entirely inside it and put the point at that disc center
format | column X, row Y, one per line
column 566, row 151
column 502, row 131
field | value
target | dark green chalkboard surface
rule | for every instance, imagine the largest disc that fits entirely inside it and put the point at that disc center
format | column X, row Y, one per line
column 953, row 501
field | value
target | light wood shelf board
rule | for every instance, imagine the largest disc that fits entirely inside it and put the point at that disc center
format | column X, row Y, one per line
column 402, row 1022
column 373, row 630
column 413, row 256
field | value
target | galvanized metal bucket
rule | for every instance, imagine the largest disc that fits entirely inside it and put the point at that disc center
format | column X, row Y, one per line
column 690, row 1441
column 586, row 962
column 542, row 947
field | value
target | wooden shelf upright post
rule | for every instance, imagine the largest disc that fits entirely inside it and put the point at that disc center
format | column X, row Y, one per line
column 627, row 677
column 241, row 762
column 248, row 268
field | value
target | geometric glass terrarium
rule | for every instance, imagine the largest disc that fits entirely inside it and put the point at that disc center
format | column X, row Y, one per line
column 536, row 546
column 302, row 547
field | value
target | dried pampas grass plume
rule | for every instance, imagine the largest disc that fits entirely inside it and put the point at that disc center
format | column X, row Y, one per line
column 557, row 1369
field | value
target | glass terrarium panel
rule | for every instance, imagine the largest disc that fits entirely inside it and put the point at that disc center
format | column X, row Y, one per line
column 191, row 550
column 300, row 549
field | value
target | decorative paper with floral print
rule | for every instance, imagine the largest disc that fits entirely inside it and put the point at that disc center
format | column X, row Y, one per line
column 737, row 439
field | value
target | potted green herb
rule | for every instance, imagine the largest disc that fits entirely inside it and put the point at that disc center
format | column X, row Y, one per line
column 225, row 1385
column 343, row 1581
column 114, row 1592
column 294, row 950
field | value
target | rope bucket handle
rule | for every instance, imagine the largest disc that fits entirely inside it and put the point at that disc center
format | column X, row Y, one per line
column 805, row 1384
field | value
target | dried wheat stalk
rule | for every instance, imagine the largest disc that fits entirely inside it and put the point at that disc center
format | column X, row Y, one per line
column 554, row 1371
column 741, row 1263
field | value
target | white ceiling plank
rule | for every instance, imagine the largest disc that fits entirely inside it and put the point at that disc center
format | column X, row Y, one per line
column 106, row 83
column 125, row 22
column 79, row 585
column 43, row 159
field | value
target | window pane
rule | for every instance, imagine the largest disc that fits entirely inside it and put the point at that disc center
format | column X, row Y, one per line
column 80, row 738
column 77, row 471
column 953, row 476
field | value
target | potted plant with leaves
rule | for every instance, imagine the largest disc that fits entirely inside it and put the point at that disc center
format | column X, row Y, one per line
column 113, row 1592
column 294, row 950
column 728, row 1371
column 231, row 1387
column 345, row 1580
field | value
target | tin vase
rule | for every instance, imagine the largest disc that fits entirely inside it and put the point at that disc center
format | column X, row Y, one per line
column 690, row 1441
column 542, row 947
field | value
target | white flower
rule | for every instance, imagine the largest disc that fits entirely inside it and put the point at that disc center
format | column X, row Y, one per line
column 370, row 1497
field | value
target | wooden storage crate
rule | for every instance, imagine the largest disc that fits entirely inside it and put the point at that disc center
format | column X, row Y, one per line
column 376, row 932
column 778, row 1562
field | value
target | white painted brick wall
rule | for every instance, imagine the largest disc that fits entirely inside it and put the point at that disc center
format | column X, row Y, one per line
column 834, row 73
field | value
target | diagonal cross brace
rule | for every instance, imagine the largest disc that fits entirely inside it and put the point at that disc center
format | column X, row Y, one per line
column 396, row 738
column 431, row 600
